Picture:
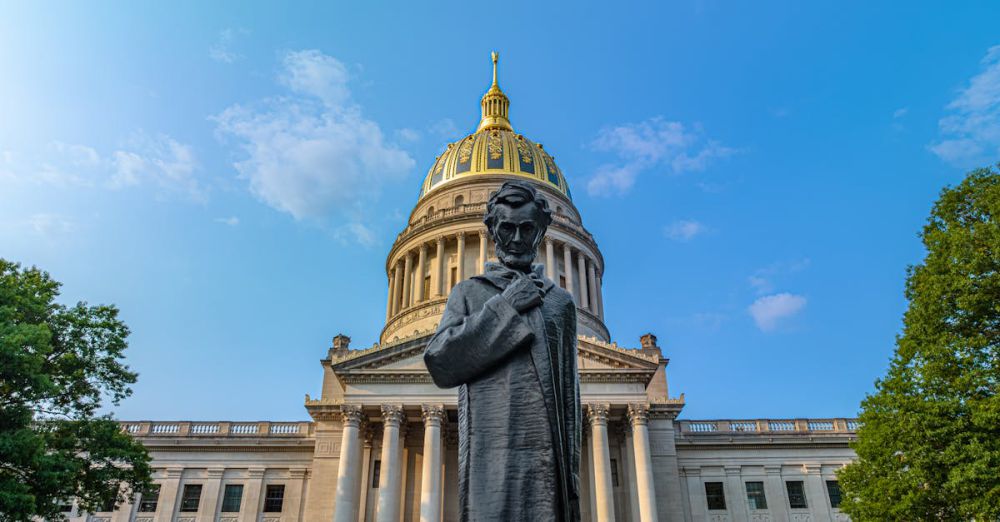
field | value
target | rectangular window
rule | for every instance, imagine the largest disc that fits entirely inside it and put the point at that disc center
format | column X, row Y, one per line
column 614, row 473
column 427, row 287
column 191, row 498
column 66, row 507
column 274, row 498
column 108, row 506
column 755, row 495
column 716, row 495
column 562, row 282
column 148, row 499
column 833, row 490
column 232, row 498
column 376, row 471
column 454, row 276
column 796, row 494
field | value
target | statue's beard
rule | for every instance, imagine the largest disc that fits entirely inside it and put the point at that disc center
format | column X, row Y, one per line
column 520, row 260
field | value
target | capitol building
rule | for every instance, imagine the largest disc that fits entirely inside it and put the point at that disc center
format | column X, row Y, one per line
column 381, row 444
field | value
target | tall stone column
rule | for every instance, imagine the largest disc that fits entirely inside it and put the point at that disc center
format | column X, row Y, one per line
column 167, row 501
column 568, row 268
column 638, row 415
column 418, row 279
column 397, row 294
column 816, row 493
column 737, row 491
column 392, row 290
column 350, row 458
column 592, row 280
column 390, row 481
column 598, row 416
column 461, row 257
column 430, row 481
column 774, row 492
column 437, row 280
column 483, row 240
column 581, row 266
column 407, row 281
column 550, row 259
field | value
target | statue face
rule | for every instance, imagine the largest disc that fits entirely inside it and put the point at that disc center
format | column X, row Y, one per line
column 517, row 232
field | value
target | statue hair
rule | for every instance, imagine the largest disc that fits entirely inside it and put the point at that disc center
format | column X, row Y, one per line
column 514, row 194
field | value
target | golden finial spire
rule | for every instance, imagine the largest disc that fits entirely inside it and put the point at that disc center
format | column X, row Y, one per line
column 496, row 56
column 496, row 104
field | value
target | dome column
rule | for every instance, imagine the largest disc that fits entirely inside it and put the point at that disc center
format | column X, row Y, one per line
column 407, row 281
column 600, row 297
column 436, row 279
column 550, row 259
column 461, row 257
column 482, row 252
column 568, row 268
column 398, row 288
column 392, row 293
column 581, row 266
column 418, row 279
column 592, row 279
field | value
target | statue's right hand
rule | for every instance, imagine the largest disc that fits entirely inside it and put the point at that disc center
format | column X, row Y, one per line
column 523, row 294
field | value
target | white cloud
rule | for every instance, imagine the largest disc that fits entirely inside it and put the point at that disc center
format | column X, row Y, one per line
column 161, row 161
column 684, row 230
column 444, row 128
column 768, row 311
column 900, row 112
column 408, row 135
column 762, row 281
column 971, row 130
column 50, row 225
column 313, row 154
column 652, row 143
column 231, row 220
column 222, row 50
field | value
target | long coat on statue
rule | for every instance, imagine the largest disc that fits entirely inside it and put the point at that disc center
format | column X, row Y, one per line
column 518, row 399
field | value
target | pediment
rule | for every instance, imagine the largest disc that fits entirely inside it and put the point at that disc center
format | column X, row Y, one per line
column 593, row 355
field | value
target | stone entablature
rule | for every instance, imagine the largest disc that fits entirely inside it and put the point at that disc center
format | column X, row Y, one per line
column 236, row 429
column 697, row 428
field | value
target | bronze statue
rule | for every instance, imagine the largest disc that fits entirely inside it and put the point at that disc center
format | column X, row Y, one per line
column 508, row 341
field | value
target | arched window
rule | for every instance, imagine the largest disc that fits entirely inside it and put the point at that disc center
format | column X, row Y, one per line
column 559, row 210
column 459, row 200
column 430, row 211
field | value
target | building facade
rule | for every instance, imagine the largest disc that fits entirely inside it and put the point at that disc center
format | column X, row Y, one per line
column 382, row 441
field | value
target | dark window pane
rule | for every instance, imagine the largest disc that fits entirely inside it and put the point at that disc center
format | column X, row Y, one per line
column 108, row 506
column 66, row 508
column 796, row 494
column 232, row 498
column 833, row 490
column 274, row 498
column 755, row 495
column 191, row 498
column 148, row 499
column 614, row 472
column 716, row 495
column 376, row 471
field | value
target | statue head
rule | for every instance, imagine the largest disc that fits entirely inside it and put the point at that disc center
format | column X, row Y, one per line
column 517, row 217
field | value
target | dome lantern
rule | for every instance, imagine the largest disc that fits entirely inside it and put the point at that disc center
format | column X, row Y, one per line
column 496, row 104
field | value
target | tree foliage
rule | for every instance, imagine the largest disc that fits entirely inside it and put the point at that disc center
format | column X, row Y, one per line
column 929, row 445
column 57, row 365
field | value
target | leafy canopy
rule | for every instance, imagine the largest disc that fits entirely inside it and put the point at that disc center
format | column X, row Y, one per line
column 929, row 446
column 57, row 363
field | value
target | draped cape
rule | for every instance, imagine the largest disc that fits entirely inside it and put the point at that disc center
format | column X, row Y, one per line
column 519, row 424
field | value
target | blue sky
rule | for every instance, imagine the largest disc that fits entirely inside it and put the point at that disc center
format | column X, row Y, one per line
column 232, row 176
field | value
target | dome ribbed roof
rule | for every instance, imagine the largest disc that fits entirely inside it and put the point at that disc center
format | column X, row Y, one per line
column 494, row 149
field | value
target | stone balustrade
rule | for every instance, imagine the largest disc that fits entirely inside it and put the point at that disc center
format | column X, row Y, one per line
column 217, row 429
column 760, row 426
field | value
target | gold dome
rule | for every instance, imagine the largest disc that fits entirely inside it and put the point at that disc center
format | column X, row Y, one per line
column 494, row 149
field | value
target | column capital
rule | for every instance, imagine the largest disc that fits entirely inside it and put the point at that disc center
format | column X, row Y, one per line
column 483, row 233
column 257, row 473
column 441, row 240
column 597, row 414
column 638, row 413
column 392, row 415
column 298, row 473
column 433, row 414
column 812, row 469
column 460, row 235
column 215, row 472
column 548, row 240
column 174, row 472
column 351, row 415
column 423, row 248
column 772, row 470
column 733, row 470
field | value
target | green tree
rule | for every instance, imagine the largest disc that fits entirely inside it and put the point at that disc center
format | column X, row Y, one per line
column 57, row 365
column 929, row 445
